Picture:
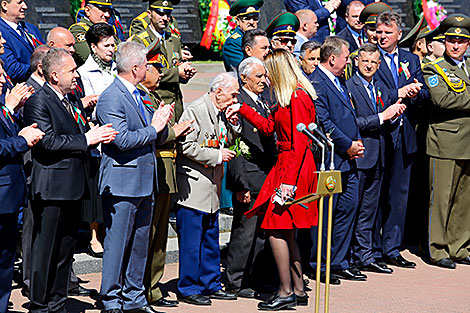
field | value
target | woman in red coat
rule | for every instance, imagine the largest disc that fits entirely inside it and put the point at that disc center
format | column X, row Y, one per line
column 293, row 173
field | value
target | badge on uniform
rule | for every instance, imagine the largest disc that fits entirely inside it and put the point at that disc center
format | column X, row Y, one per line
column 433, row 80
column 81, row 37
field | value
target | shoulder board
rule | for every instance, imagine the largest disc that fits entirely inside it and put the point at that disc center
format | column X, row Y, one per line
column 143, row 35
column 235, row 36
column 354, row 53
column 436, row 61
column 142, row 15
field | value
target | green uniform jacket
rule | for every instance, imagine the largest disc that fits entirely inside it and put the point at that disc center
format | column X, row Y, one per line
column 142, row 21
column 169, row 89
column 449, row 125
column 82, row 50
column 351, row 68
column 232, row 53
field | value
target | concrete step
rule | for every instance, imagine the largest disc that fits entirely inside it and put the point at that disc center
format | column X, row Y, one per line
column 85, row 264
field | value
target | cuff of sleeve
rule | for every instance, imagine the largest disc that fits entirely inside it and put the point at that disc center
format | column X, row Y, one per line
column 87, row 140
column 219, row 159
column 381, row 118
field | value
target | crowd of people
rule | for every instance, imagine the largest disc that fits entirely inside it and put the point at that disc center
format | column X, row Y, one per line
column 93, row 128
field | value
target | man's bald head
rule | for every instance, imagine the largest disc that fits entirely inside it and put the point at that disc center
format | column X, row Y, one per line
column 308, row 23
column 60, row 37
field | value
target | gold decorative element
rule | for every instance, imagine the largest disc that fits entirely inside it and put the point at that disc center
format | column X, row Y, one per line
column 289, row 27
column 165, row 3
column 459, row 18
column 458, row 30
column 330, row 183
column 250, row 10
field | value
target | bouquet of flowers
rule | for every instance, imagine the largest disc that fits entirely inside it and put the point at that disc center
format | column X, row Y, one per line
column 241, row 148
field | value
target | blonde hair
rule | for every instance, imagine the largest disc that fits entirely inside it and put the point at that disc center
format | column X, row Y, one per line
column 285, row 76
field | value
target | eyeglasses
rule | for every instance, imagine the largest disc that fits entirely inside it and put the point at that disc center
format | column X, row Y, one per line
column 284, row 41
column 247, row 18
column 163, row 13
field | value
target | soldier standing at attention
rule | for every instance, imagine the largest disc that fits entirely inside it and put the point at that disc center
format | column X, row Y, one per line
column 246, row 14
column 96, row 11
column 447, row 146
column 175, row 69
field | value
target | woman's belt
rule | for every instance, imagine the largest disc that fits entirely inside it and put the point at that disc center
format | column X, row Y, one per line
column 284, row 145
column 165, row 153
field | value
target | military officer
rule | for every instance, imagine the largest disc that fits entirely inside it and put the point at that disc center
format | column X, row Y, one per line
column 415, row 40
column 447, row 146
column 246, row 14
column 96, row 11
column 175, row 69
column 435, row 46
column 282, row 30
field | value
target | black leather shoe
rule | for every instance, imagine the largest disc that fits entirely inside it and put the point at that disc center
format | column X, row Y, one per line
column 465, row 261
column 246, row 293
column 143, row 309
column 302, row 300
column 333, row 279
column 446, row 263
column 112, row 311
column 376, row 268
column 400, row 262
column 348, row 275
column 197, row 300
column 276, row 303
column 82, row 292
column 167, row 303
column 223, row 295
column 357, row 272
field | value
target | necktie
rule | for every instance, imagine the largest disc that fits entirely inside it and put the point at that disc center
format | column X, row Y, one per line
column 140, row 104
column 372, row 97
column 68, row 106
column 338, row 84
column 393, row 67
column 264, row 106
column 24, row 35
column 463, row 67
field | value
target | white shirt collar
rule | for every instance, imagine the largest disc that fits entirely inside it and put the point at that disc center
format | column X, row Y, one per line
column 11, row 24
column 457, row 62
column 252, row 95
column 330, row 75
column 59, row 95
column 129, row 86
column 301, row 36
column 37, row 79
column 154, row 31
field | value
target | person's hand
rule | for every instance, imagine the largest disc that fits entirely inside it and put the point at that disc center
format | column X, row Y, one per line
column 186, row 54
column 32, row 134
column 90, row 101
column 227, row 154
column 232, row 110
column 356, row 150
column 410, row 90
column 191, row 72
column 162, row 116
column 183, row 128
column 101, row 134
column 243, row 196
column 234, row 120
column 394, row 110
column 16, row 97
column 332, row 5
column 286, row 192
column 185, row 70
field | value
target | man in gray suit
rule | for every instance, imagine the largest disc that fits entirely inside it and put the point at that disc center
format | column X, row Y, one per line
column 127, row 181
column 199, row 175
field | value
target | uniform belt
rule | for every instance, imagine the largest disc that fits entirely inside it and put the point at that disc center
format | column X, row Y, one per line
column 165, row 153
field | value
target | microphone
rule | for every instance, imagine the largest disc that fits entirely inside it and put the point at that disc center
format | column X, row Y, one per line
column 315, row 129
column 301, row 128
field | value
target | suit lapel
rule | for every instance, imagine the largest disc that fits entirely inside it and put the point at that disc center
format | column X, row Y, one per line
column 18, row 37
column 212, row 114
column 364, row 93
column 55, row 99
column 384, row 71
column 336, row 92
column 7, row 126
column 460, row 73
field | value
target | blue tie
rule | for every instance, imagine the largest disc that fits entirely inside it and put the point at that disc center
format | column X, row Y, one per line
column 393, row 67
column 338, row 84
column 23, row 34
column 372, row 97
column 140, row 104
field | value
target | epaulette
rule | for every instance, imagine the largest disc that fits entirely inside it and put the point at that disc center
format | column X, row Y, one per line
column 142, row 15
column 235, row 36
column 82, row 24
column 354, row 53
column 436, row 61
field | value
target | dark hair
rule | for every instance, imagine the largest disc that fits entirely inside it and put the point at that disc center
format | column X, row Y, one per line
column 97, row 32
column 388, row 18
column 368, row 47
column 52, row 61
column 249, row 38
column 309, row 45
column 333, row 45
column 38, row 55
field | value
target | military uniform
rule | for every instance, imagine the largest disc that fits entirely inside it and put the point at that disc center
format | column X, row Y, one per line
column 142, row 21
column 447, row 146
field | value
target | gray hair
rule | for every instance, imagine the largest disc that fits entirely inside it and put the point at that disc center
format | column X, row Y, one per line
column 388, row 18
column 333, row 45
column 38, row 55
column 223, row 80
column 309, row 45
column 128, row 54
column 52, row 61
column 246, row 66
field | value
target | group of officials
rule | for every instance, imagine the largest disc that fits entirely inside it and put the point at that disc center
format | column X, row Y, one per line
column 115, row 129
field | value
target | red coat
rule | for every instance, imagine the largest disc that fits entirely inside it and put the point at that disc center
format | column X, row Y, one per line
column 294, row 166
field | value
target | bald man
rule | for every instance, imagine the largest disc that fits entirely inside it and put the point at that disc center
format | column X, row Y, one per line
column 307, row 30
column 353, row 31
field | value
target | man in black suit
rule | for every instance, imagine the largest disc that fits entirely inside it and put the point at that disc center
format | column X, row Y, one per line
column 352, row 33
column 59, row 178
column 37, row 80
column 245, row 178
column 374, row 113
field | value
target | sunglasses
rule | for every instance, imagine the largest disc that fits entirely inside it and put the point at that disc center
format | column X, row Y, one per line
column 163, row 13
column 284, row 41
column 249, row 18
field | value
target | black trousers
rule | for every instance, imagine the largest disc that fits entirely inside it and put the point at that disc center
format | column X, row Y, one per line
column 8, row 235
column 54, row 238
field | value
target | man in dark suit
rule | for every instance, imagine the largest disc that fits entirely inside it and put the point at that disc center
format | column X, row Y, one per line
column 374, row 114
column 13, row 143
column 37, row 80
column 245, row 178
column 400, row 71
column 352, row 33
column 59, row 178
column 336, row 115
column 128, row 180
column 21, row 39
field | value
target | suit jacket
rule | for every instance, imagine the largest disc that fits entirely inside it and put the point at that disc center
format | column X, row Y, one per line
column 12, row 177
column 449, row 123
column 31, row 82
column 60, row 160
column 244, row 174
column 409, row 121
column 17, row 51
column 336, row 115
column 373, row 134
column 128, row 167
column 198, row 175
column 348, row 36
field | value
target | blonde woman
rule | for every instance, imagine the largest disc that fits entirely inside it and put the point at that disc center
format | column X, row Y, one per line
column 293, row 174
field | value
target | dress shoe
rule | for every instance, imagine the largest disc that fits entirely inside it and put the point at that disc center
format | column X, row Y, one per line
column 348, row 275
column 357, row 272
column 82, row 292
column 112, row 311
column 143, row 309
column 333, row 279
column 445, row 263
column 223, row 295
column 94, row 254
column 400, row 262
column 376, row 268
column 302, row 300
column 167, row 303
column 197, row 300
column 276, row 303
column 465, row 261
column 246, row 293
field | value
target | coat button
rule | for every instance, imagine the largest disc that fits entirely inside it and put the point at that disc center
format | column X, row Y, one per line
column 255, row 130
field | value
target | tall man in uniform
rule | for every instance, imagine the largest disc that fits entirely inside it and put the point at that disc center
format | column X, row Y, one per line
column 447, row 146
column 21, row 39
column 246, row 14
